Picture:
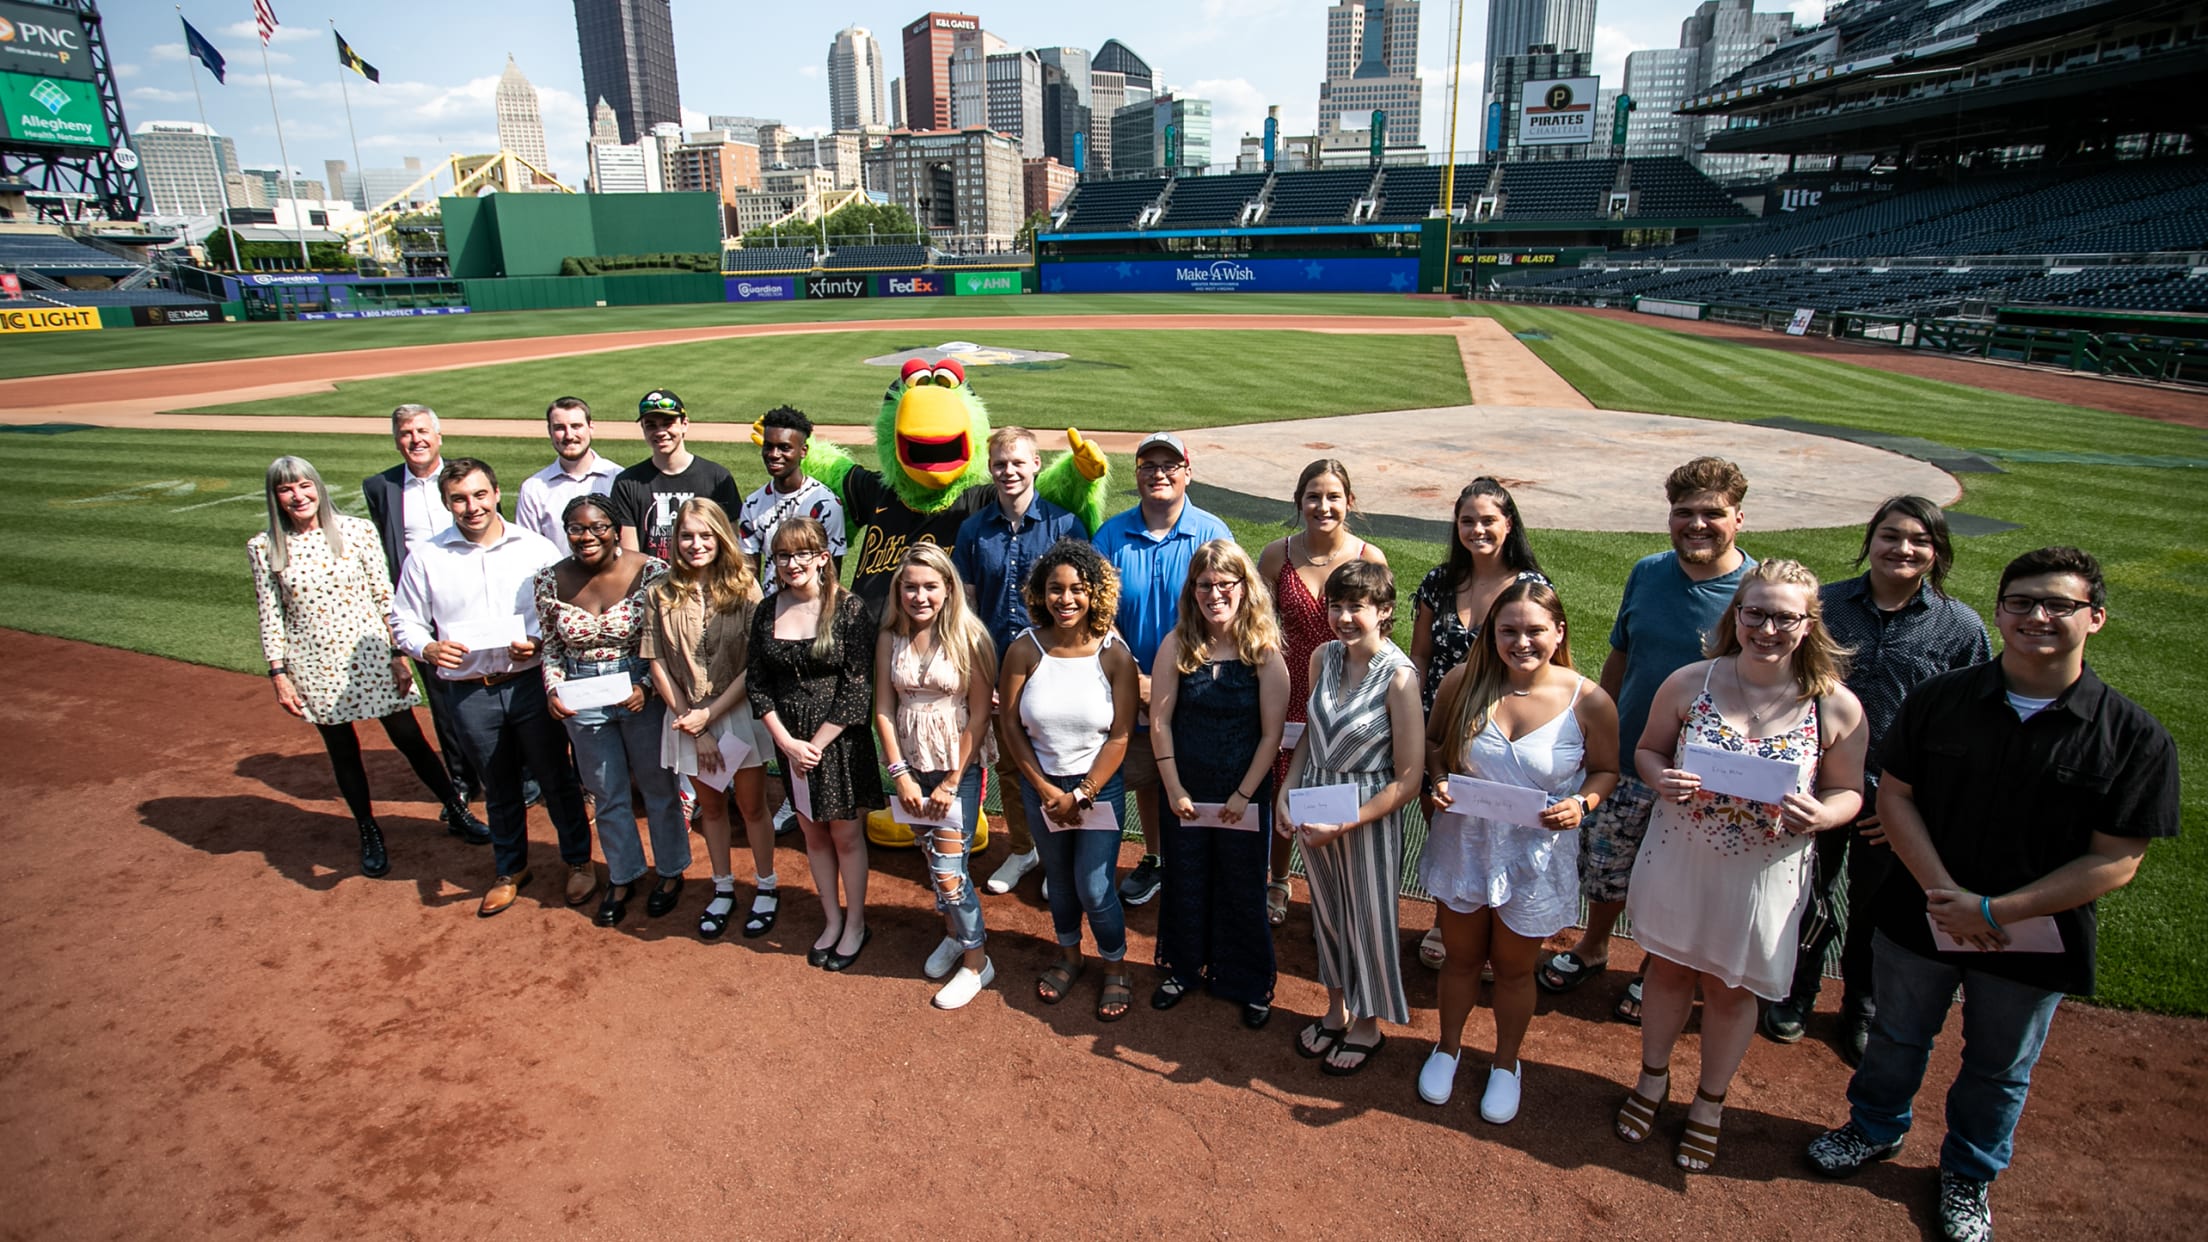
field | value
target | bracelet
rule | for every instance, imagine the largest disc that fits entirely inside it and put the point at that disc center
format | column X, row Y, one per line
column 278, row 670
column 898, row 769
column 1245, row 797
column 1985, row 911
column 1161, row 758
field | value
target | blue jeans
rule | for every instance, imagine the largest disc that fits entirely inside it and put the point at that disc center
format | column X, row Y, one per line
column 961, row 914
column 2004, row 1027
column 508, row 733
column 1083, row 869
column 614, row 747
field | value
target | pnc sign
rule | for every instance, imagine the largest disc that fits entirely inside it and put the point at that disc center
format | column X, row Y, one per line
column 43, row 40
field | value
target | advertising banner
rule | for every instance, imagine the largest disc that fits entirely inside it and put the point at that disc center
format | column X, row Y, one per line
column 265, row 279
column 911, row 285
column 762, row 288
column 60, row 111
column 1233, row 276
column 393, row 312
column 43, row 42
column 1556, row 111
column 979, row 284
column 852, row 286
column 173, row 316
column 11, row 286
column 1799, row 324
column 49, row 319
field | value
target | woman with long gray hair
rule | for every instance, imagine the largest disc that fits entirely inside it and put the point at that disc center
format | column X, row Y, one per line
column 324, row 595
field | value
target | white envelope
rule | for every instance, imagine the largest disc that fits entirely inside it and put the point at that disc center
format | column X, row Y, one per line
column 1742, row 775
column 955, row 818
column 1324, row 804
column 734, row 750
column 1207, row 816
column 1098, row 818
column 2038, row 935
column 1290, row 734
column 1492, row 800
column 801, row 791
column 583, row 693
column 495, row 634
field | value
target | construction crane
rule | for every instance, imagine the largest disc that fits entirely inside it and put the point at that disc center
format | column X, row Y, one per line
column 470, row 174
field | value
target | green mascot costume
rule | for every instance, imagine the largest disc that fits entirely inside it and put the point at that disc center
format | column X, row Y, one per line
column 932, row 437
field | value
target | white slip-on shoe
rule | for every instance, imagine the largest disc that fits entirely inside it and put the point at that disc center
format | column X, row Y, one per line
column 1008, row 873
column 1499, row 1103
column 1437, row 1080
column 939, row 963
column 965, row 985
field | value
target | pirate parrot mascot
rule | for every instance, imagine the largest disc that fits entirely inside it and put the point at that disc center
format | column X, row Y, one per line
column 932, row 438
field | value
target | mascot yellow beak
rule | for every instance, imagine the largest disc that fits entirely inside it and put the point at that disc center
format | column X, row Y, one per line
column 933, row 444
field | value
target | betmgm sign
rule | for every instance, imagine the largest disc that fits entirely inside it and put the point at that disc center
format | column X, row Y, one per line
column 1557, row 112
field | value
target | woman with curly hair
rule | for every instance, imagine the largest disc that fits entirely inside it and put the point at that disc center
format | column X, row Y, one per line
column 1227, row 690
column 1069, row 692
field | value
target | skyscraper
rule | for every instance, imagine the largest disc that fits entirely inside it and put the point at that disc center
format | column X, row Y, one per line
column 1516, row 27
column 1117, row 57
column 970, row 53
column 1015, row 85
column 628, row 49
column 1372, row 66
column 1726, row 36
column 520, row 128
column 928, row 45
column 855, row 95
column 1659, row 79
column 184, row 165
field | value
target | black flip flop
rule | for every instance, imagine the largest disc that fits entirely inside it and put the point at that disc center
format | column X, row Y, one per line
column 1328, row 1037
column 1370, row 1051
column 1568, row 977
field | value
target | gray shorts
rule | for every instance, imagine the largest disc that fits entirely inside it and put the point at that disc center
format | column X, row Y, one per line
column 1611, row 838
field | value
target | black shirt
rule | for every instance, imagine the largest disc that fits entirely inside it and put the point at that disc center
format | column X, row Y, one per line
column 892, row 526
column 1893, row 652
column 645, row 499
column 2007, row 801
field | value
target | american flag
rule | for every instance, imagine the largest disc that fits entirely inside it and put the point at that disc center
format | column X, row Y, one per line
column 264, row 17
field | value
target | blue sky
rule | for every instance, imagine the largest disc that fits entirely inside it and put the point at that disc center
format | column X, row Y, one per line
column 440, row 62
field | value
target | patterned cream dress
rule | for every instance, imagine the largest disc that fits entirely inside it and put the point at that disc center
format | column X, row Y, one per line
column 323, row 618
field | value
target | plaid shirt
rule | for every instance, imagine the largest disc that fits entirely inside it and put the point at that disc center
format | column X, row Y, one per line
column 1896, row 651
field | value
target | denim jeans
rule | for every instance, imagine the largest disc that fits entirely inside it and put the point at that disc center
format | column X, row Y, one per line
column 962, row 915
column 614, row 747
column 508, row 732
column 1083, row 869
column 2004, row 1027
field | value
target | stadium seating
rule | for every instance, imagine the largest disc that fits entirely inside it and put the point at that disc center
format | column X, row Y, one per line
column 1563, row 190
column 1210, row 202
column 1668, row 187
column 116, row 297
column 1323, row 196
column 768, row 259
column 876, row 256
column 47, row 252
column 1108, row 206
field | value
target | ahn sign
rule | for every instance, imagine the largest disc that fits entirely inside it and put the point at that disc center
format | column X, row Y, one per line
column 911, row 285
column 835, row 287
column 762, row 288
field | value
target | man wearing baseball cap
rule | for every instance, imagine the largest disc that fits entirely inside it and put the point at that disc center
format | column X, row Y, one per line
column 1151, row 545
column 647, row 495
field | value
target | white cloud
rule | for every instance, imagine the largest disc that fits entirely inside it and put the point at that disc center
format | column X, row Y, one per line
column 155, row 94
column 1237, row 108
column 122, row 70
column 167, row 51
column 692, row 120
column 297, row 32
column 1611, row 45
column 808, row 71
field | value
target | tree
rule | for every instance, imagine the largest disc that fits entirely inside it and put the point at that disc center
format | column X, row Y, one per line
column 321, row 256
column 1034, row 224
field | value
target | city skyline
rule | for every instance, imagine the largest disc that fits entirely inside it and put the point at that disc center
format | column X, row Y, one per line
column 439, row 80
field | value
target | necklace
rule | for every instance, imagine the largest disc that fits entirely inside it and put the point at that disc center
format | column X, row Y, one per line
column 1756, row 714
column 1314, row 558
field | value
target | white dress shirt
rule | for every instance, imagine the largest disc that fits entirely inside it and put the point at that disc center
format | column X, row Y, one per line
column 422, row 512
column 450, row 584
column 545, row 494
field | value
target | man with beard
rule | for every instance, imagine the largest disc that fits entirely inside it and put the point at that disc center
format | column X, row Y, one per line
column 576, row 470
column 1672, row 600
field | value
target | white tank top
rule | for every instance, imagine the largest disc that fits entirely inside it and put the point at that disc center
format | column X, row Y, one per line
column 1066, row 708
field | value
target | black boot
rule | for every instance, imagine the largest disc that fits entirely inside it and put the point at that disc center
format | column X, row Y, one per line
column 374, row 861
column 462, row 823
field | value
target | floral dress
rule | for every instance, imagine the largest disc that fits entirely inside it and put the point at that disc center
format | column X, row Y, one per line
column 1718, row 884
column 572, row 632
column 1448, row 638
column 323, row 618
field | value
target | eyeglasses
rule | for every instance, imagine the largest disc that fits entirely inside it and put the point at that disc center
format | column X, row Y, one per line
column 2057, row 606
column 793, row 558
column 1784, row 622
column 600, row 529
column 1219, row 586
column 1154, row 469
column 660, row 403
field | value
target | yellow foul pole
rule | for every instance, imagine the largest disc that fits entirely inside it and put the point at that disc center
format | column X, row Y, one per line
column 1456, row 60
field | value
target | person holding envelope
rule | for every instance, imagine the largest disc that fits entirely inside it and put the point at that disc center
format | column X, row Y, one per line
column 1520, row 748
column 466, row 607
column 1069, row 690
column 1223, row 688
column 935, row 677
column 1750, row 753
column 2016, row 794
column 697, row 635
column 812, row 669
column 592, row 608
column 1356, row 767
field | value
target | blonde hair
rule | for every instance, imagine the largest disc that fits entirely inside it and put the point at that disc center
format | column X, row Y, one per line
column 1465, row 711
column 1005, row 437
column 804, row 534
column 1820, row 662
column 959, row 634
column 289, row 469
column 1255, row 629
column 728, row 581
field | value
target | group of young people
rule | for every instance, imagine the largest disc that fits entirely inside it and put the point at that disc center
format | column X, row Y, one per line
column 1751, row 734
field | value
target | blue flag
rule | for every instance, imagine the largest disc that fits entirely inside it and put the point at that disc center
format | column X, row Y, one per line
column 201, row 50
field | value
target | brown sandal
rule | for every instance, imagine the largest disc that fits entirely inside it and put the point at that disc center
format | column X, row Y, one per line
column 1058, row 980
column 1698, row 1145
column 1116, row 998
column 1637, row 1116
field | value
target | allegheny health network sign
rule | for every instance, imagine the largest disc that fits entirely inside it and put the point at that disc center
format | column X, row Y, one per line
column 60, row 111
column 975, row 284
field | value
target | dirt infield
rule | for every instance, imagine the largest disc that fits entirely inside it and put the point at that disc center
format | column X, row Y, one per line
column 2161, row 402
column 216, row 1028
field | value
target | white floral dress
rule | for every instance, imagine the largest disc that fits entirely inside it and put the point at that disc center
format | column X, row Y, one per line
column 323, row 618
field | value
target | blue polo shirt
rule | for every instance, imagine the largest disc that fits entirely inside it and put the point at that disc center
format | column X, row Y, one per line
column 995, row 561
column 1151, row 571
column 1662, row 623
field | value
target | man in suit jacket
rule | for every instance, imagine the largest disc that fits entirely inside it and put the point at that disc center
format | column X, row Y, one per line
column 404, row 504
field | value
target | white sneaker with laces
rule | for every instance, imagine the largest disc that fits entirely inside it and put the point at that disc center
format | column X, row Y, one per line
column 1008, row 873
column 939, row 963
column 965, row 985
column 1499, row 1103
column 1437, row 1080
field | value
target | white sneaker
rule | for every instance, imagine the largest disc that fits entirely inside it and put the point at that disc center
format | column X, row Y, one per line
column 965, row 985
column 1437, row 1080
column 1499, row 1103
column 1007, row 875
column 785, row 819
column 940, row 962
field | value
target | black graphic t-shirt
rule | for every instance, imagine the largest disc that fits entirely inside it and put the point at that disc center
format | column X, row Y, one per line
column 645, row 499
column 892, row 526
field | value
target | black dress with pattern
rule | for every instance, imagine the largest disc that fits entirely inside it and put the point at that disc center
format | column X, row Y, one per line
column 806, row 692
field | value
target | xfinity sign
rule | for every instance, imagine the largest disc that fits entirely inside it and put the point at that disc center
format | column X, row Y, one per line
column 835, row 287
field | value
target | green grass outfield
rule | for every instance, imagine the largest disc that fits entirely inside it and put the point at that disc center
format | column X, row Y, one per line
column 134, row 539
column 1109, row 380
column 56, row 353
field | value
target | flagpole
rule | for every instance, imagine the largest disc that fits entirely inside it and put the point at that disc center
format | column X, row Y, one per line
column 222, row 213
column 290, row 191
column 347, row 96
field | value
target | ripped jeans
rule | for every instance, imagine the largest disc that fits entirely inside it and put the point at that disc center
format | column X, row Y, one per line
column 946, row 850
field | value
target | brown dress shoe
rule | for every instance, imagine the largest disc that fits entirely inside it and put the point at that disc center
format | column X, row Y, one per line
column 504, row 890
column 582, row 881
